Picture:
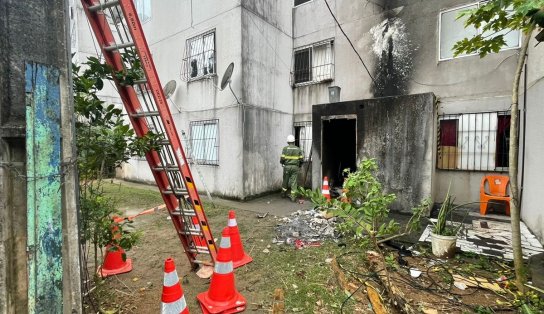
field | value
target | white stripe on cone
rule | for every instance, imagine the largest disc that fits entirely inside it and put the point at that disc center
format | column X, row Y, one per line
column 232, row 223
column 223, row 268
column 174, row 307
column 170, row 279
column 225, row 243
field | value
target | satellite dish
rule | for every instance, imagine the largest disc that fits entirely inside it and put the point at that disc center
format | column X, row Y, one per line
column 169, row 88
column 226, row 77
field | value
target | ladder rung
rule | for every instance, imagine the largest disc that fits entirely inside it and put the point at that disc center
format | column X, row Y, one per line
column 135, row 82
column 143, row 114
column 167, row 168
column 199, row 249
column 179, row 192
column 184, row 213
column 119, row 46
column 191, row 231
column 164, row 142
column 102, row 6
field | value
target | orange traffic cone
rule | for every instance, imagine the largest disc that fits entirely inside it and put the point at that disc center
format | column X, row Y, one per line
column 325, row 190
column 222, row 296
column 173, row 300
column 239, row 257
column 115, row 262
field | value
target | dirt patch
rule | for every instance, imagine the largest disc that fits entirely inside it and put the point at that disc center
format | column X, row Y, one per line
column 306, row 276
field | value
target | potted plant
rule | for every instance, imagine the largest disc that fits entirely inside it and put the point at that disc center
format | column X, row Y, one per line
column 444, row 231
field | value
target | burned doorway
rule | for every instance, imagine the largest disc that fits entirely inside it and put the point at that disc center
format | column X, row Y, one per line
column 338, row 147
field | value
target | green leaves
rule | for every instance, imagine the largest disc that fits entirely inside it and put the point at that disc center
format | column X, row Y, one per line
column 104, row 141
column 496, row 18
column 364, row 210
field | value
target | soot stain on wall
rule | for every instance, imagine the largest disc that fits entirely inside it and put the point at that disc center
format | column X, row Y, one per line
column 394, row 51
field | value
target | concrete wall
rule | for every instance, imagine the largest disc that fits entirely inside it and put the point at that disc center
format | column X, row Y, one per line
column 266, row 93
column 462, row 85
column 171, row 24
column 312, row 22
column 256, row 36
column 532, row 210
column 32, row 31
column 399, row 133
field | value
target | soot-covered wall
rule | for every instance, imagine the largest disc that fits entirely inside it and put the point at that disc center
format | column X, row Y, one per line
column 399, row 132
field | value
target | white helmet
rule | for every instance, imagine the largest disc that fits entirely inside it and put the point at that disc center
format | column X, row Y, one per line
column 290, row 138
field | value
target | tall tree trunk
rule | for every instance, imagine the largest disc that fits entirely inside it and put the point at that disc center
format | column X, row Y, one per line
column 513, row 166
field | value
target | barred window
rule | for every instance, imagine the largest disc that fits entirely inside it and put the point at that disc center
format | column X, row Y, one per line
column 204, row 141
column 313, row 64
column 303, row 137
column 474, row 141
column 143, row 8
column 199, row 57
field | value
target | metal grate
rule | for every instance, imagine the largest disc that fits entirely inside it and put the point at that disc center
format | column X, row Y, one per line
column 204, row 142
column 473, row 141
column 199, row 60
column 313, row 64
column 303, row 138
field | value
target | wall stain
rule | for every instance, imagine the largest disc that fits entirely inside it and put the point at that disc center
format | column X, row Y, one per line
column 394, row 51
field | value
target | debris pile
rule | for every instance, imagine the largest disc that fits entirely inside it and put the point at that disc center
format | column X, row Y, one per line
column 306, row 228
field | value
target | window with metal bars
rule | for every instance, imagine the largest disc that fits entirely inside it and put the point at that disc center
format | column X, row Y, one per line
column 143, row 8
column 313, row 64
column 204, row 141
column 199, row 60
column 303, row 138
column 474, row 141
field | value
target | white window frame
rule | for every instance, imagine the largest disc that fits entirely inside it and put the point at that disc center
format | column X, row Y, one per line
column 458, row 8
column 312, row 69
column 298, row 5
column 141, row 5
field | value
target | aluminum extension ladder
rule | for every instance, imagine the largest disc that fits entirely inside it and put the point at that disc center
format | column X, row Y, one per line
column 124, row 47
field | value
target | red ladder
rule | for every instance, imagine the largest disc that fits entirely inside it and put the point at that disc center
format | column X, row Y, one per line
column 124, row 47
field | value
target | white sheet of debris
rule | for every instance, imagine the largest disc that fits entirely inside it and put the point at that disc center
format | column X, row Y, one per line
column 493, row 238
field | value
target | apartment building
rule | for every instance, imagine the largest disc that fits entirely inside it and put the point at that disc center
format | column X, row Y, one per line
column 351, row 79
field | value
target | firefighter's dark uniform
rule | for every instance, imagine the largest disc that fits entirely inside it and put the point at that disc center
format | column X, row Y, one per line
column 291, row 159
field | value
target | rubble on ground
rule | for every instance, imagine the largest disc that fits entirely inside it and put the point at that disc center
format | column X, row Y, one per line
column 308, row 226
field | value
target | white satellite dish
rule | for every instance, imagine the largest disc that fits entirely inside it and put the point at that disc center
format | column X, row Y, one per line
column 226, row 80
column 169, row 88
column 227, row 75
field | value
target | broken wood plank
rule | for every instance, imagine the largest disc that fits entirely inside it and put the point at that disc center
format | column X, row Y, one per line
column 478, row 282
column 376, row 300
column 345, row 284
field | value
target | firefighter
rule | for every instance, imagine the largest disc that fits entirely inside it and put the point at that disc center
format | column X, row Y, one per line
column 291, row 160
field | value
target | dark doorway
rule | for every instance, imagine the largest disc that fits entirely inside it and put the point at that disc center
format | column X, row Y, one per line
column 338, row 149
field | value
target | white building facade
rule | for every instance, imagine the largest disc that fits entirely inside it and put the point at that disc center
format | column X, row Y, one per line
column 287, row 54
